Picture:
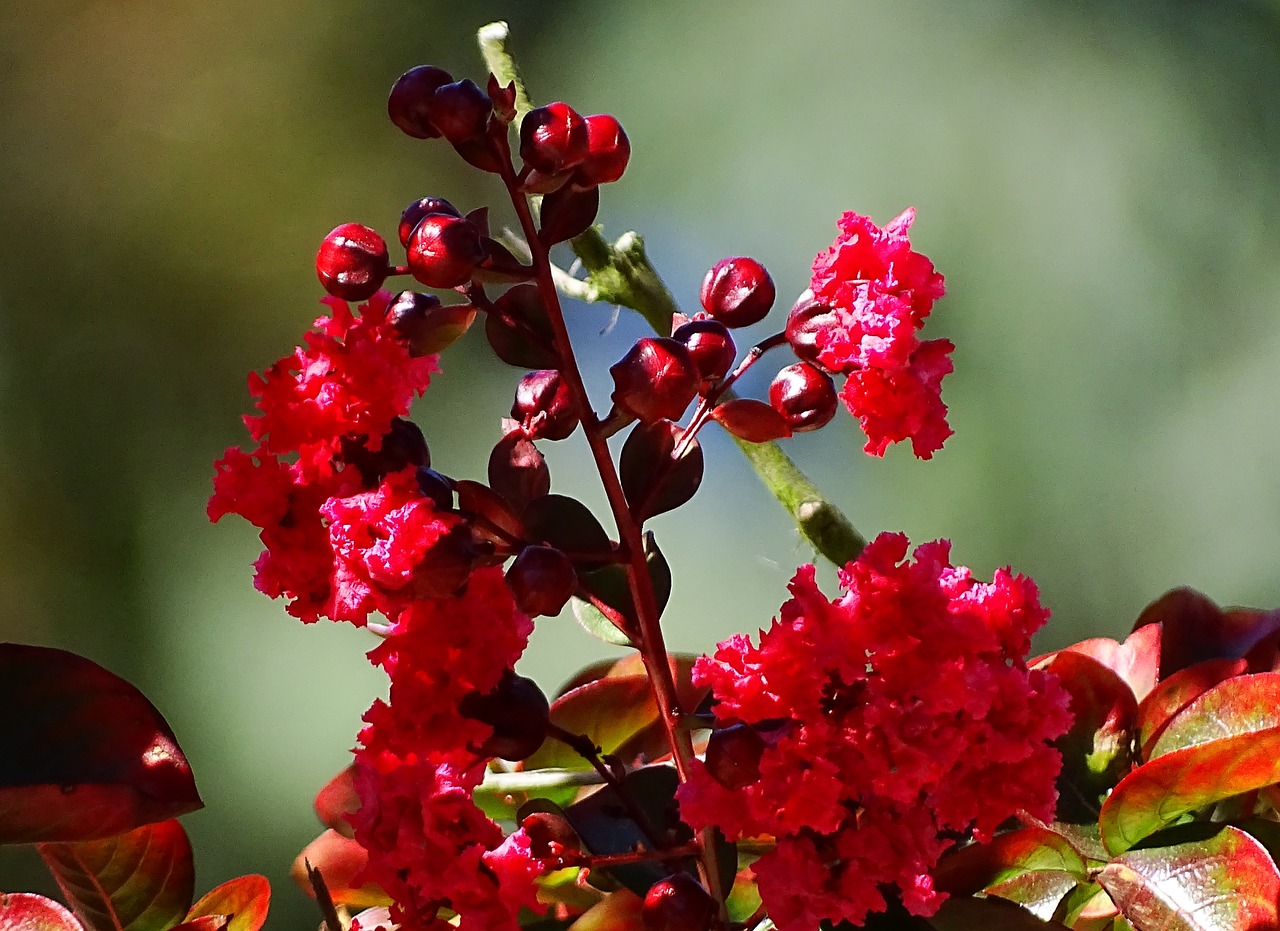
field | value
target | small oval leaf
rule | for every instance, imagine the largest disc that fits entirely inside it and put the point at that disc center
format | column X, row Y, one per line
column 654, row 478
column 518, row 470
column 1226, row 882
column 751, row 420
column 341, row 861
column 26, row 911
column 594, row 622
column 139, row 881
column 566, row 212
column 337, row 800
column 86, row 755
column 568, row 525
column 245, row 900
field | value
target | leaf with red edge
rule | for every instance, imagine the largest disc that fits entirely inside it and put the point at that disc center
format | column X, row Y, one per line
column 1136, row 661
column 977, row 867
column 337, row 800
column 205, row 923
column 86, row 755
column 608, row 711
column 341, row 861
column 1175, row 693
column 1223, row 882
column 1040, row 892
column 751, row 420
column 1196, row 629
column 1095, row 751
column 139, row 881
column 1224, row 743
column 961, row 914
column 654, row 478
column 618, row 911
column 244, row 900
column 26, row 911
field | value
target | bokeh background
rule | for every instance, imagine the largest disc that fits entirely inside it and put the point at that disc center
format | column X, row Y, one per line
column 1099, row 181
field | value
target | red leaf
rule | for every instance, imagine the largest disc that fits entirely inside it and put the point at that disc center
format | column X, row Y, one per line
column 984, row 914
column 750, row 420
column 1225, row 742
column 1178, row 691
column 85, row 754
column 340, row 861
column 1227, row 882
column 338, row 799
column 1136, row 661
column 654, row 478
column 26, row 911
column 1195, row 629
column 244, row 900
column 139, row 881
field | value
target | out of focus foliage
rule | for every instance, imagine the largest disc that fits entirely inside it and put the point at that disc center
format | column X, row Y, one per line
column 1099, row 181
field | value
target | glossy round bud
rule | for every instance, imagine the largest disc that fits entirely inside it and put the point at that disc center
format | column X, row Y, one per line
column 444, row 250
column 678, row 903
column 807, row 320
column 427, row 325
column 710, row 346
column 352, row 262
column 409, row 103
column 553, row 138
column 608, row 150
column 420, row 208
column 804, row 396
column 655, row 380
column 460, row 111
column 544, row 406
column 517, row 711
column 738, row 292
column 402, row 445
column 550, row 835
column 733, row 755
column 541, row 580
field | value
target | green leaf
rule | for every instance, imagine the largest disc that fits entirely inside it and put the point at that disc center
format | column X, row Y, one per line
column 609, row 585
column 1095, row 751
column 1222, row 883
column 617, row 911
column 1173, row 694
column 139, row 881
column 978, row 867
column 744, row 897
column 244, row 900
column 1243, row 754
column 86, row 755
column 594, row 622
column 26, row 911
column 608, row 711
column 1039, row 892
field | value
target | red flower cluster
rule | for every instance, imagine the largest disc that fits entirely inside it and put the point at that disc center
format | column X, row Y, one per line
column 890, row 720
column 429, row 846
column 880, row 292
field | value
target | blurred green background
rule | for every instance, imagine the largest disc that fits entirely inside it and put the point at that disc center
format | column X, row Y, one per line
column 1099, row 182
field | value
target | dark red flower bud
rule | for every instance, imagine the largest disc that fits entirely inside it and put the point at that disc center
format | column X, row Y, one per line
column 553, row 138
column 444, row 250
column 518, row 713
column 460, row 111
column 803, row 395
column 710, row 346
column 414, row 213
column 809, row 318
column 352, row 262
column 401, row 446
column 541, row 579
column 733, row 755
column 436, row 486
column 550, row 835
column 737, row 292
column 426, row 324
column 544, row 406
column 503, row 97
column 655, row 380
column 447, row 565
column 608, row 150
column 678, row 903
column 409, row 102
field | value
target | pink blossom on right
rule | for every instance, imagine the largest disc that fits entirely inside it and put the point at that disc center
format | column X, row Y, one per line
column 880, row 291
column 894, row 720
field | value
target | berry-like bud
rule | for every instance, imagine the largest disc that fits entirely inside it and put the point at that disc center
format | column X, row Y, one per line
column 655, row 380
column 444, row 250
column 807, row 319
column 352, row 262
column 544, row 406
column 678, row 903
column 550, row 835
column 517, row 711
column 426, row 324
column 401, row 446
column 608, row 150
column 738, row 292
column 460, row 111
column 420, row 208
column 437, row 487
column 541, row 579
column 733, row 755
column 553, row 138
column 803, row 395
column 409, row 103
column 710, row 346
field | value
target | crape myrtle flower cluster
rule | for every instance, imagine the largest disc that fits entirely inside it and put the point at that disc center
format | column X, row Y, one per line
column 862, row 736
